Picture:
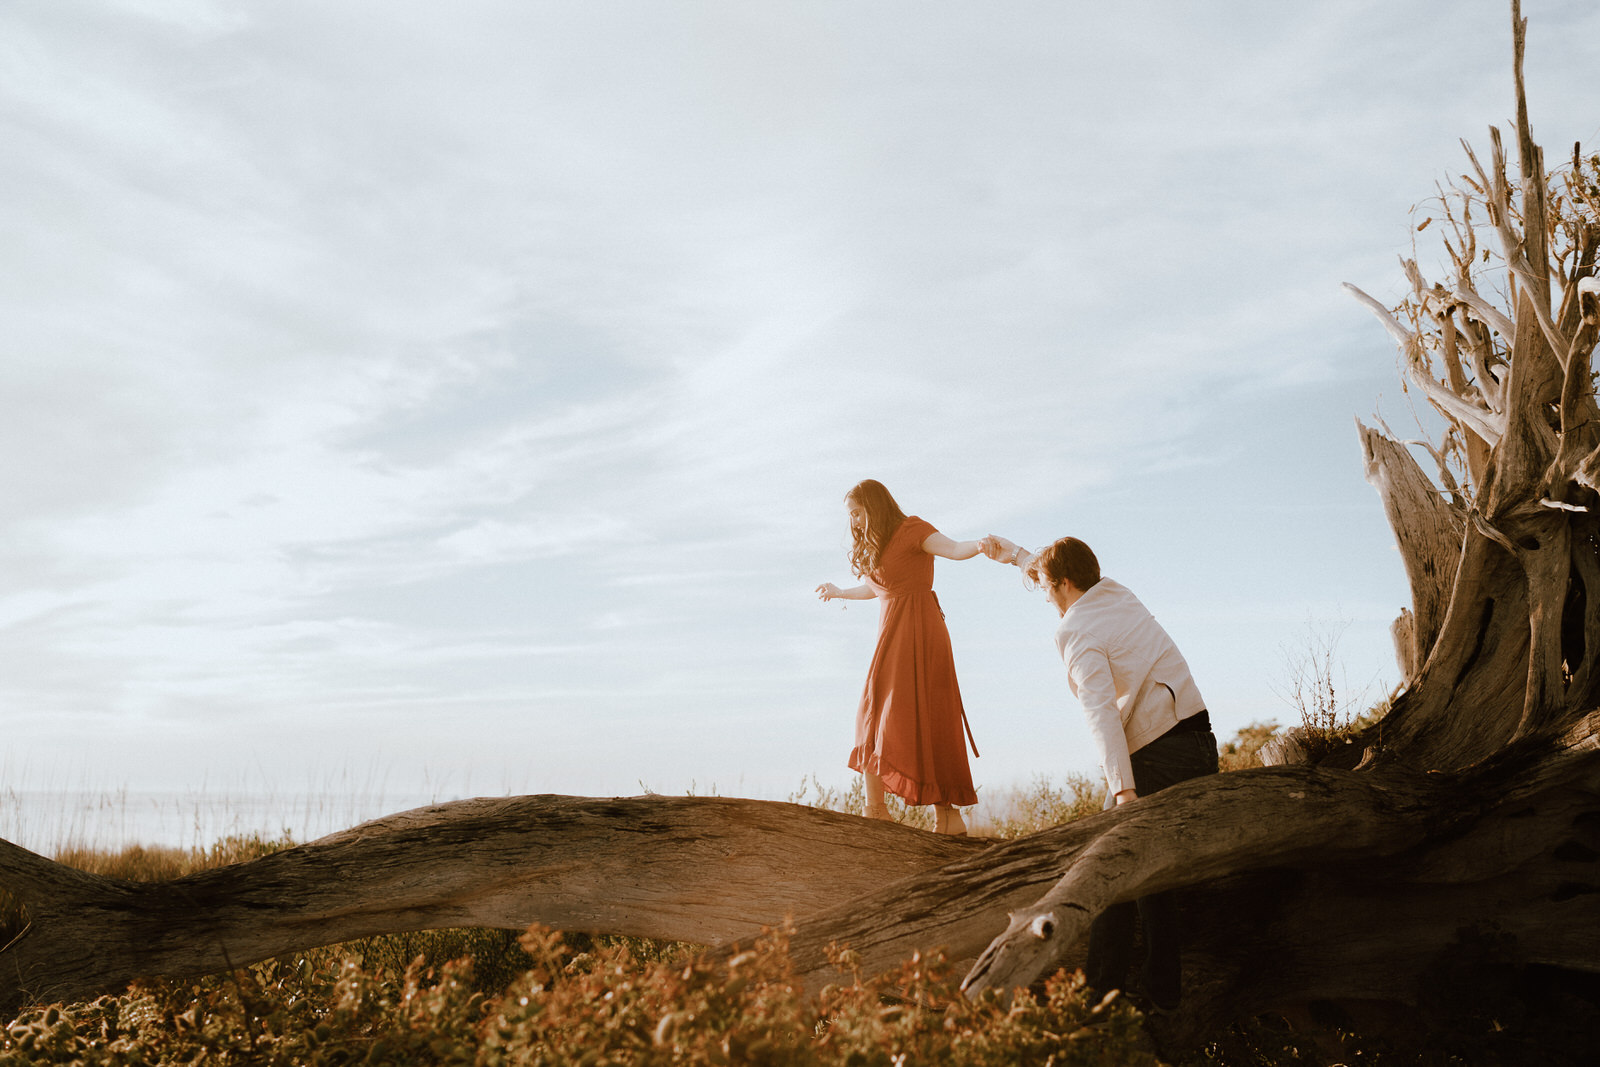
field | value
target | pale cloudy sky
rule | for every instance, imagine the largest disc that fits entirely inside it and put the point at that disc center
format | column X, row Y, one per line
column 461, row 396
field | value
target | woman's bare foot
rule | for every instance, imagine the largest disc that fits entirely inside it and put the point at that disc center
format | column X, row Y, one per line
column 876, row 808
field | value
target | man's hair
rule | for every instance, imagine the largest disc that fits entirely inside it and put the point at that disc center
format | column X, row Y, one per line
column 1068, row 559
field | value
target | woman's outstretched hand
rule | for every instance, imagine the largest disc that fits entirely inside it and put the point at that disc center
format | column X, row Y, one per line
column 999, row 549
column 827, row 591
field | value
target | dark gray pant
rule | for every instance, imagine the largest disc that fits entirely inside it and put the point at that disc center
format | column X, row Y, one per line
column 1168, row 760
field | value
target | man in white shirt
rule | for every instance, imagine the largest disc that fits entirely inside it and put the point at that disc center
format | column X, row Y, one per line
column 1149, row 725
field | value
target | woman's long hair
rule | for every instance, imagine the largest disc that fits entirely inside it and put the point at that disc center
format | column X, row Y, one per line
column 883, row 519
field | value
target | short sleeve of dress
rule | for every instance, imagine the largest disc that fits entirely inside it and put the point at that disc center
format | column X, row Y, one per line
column 918, row 529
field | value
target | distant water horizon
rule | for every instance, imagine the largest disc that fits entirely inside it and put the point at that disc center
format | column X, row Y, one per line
column 48, row 821
column 52, row 821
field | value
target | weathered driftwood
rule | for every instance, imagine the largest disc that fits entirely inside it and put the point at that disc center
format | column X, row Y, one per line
column 1350, row 893
column 1303, row 885
column 1427, row 532
column 707, row 870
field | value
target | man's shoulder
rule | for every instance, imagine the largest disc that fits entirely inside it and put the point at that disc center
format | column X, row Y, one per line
column 1109, row 589
column 1104, row 615
column 1077, row 635
column 1107, row 599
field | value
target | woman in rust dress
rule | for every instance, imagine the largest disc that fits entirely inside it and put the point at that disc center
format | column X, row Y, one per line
column 911, row 730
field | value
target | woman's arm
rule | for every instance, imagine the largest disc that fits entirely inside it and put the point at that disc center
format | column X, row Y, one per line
column 829, row 591
column 937, row 544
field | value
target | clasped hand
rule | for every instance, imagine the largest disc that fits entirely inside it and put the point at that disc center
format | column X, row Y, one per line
column 998, row 548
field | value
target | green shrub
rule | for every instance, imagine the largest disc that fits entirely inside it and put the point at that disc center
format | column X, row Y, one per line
column 1245, row 748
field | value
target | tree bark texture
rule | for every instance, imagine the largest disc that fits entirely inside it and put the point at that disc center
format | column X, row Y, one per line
column 1428, row 534
column 706, row 870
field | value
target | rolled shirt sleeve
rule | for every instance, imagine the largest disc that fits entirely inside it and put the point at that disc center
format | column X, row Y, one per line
column 1089, row 670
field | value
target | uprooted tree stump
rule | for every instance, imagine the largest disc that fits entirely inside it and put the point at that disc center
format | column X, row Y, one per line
column 1338, row 885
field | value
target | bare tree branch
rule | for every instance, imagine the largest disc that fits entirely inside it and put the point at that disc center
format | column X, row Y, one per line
column 1476, row 417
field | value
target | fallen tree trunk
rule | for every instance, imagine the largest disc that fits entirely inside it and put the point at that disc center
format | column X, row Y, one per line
column 708, row 870
column 1303, row 886
column 1353, row 900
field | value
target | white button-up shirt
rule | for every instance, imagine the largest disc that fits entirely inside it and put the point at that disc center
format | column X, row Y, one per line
column 1131, row 679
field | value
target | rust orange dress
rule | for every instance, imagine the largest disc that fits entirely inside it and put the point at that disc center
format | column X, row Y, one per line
column 909, row 728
